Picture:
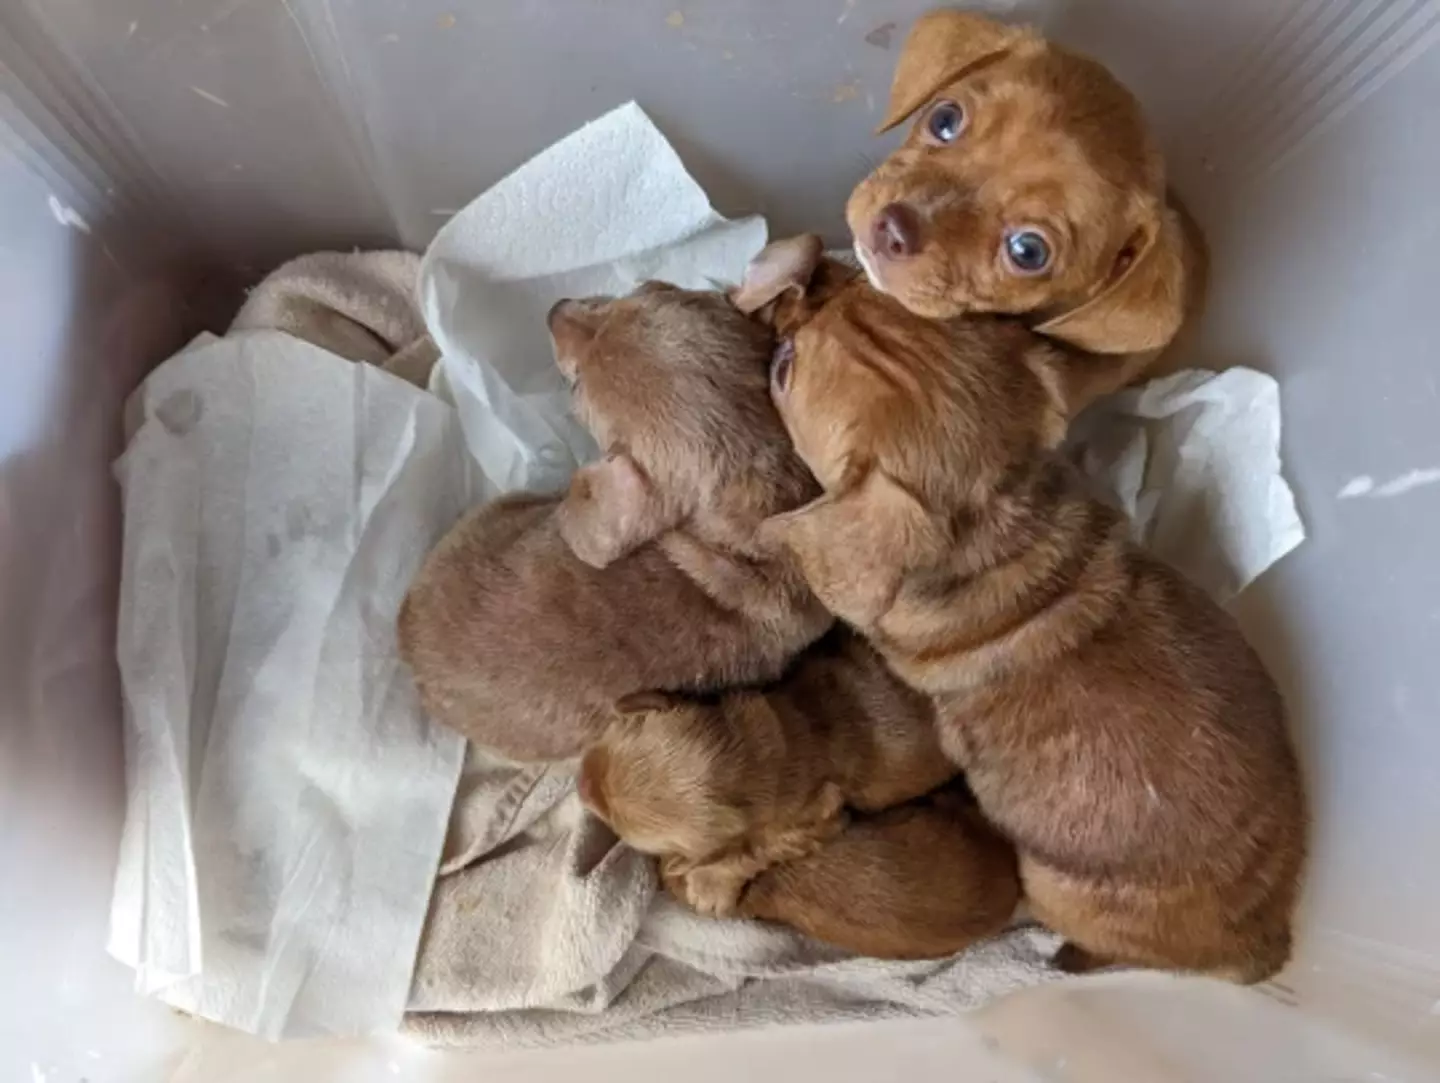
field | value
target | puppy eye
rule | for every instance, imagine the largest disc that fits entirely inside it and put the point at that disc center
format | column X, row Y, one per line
column 1027, row 250
column 945, row 122
column 782, row 363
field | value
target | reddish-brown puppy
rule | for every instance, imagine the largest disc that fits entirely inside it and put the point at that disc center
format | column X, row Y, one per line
column 1110, row 718
column 920, row 881
column 534, row 615
column 722, row 789
column 1029, row 185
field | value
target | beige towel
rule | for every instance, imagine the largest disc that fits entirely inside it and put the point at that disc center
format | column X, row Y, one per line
column 544, row 929
column 359, row 305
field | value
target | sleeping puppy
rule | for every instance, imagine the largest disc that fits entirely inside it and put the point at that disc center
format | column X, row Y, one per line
column 1110, row 718
column 1029, row 185
column 920, row 881
column 723, row 789
column 534, row 615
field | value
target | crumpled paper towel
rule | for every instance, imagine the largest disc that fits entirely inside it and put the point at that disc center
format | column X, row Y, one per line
column 287, row 798
column 597, row 213
column 1194, row 459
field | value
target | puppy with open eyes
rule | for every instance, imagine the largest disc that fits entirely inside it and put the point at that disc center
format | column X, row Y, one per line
column 1029, row 185
column 534, row 615
column 1110, row 718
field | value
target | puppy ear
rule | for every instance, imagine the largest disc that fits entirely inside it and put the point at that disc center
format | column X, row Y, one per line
column 611, row 508
column 588, row 784
column 855, row 545
column 780, row 266
column 942, row 46
column 1144, row 303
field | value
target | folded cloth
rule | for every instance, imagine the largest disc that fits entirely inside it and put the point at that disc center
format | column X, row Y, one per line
column 545, row 929
column 359, row 305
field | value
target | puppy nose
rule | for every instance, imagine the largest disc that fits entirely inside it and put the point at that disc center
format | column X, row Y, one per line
column 896, row 232
column 557, row 311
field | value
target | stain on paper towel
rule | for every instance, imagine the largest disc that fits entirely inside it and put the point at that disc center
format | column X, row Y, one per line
column 180, row 412
column 675, row 20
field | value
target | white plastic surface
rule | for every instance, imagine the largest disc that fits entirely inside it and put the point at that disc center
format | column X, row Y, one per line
column 155, row 152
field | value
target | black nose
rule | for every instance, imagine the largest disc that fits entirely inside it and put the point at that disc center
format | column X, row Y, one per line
column 895, row 232
column 556, row 311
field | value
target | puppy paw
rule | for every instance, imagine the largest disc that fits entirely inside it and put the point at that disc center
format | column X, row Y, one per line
column 712, row 890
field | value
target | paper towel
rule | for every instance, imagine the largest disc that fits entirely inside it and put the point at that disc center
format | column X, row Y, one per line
column 1194, row 459
column 288, row 800
column 599, row 212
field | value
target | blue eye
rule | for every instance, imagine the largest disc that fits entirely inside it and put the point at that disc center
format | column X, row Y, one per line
column 1027, row 250
column 945, row 122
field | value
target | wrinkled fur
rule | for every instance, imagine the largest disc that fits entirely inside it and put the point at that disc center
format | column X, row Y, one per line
column 723, row 789
column 1110, row 718
column 1052, row 141
column 920, row 881
column 523, row 646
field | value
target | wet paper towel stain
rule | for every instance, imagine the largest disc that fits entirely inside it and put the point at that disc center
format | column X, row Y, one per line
column 180, row 412
column 1364, row 484
column 675, row 20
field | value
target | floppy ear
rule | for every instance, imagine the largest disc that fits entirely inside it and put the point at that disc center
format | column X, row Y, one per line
column 855, row 546
column 942, row 46
column 587, row 783
column 1143, row 305
column 780, row 266
column 611, row 508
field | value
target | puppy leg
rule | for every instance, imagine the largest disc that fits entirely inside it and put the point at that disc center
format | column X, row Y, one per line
column 821, row 819
column 715, row 889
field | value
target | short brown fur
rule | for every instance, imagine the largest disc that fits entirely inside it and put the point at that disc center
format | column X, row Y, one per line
column 920, row 881
column 1110, row 718
column 723, row 790
column 1051, row 141
column 534, row 614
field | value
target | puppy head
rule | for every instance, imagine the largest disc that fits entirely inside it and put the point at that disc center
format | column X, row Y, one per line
column 666, row 777
column 672, row 385
column 1029, row 185
column 909, row 424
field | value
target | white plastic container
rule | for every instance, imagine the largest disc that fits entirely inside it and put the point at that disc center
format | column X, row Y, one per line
column 161, row 152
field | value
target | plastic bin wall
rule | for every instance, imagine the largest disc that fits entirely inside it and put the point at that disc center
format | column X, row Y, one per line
column 157, row 154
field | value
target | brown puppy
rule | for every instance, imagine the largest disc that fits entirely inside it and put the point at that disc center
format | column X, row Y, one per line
column 722, row 790
column 1029, row 185
column 534, row 615
column 1111, row 719
column 920, row 881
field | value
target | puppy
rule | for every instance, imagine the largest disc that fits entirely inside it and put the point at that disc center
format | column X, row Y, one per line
column 723, row 789
column 920, row 881
column 1110, row 718
column 1029, row 185
column 534, row 615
